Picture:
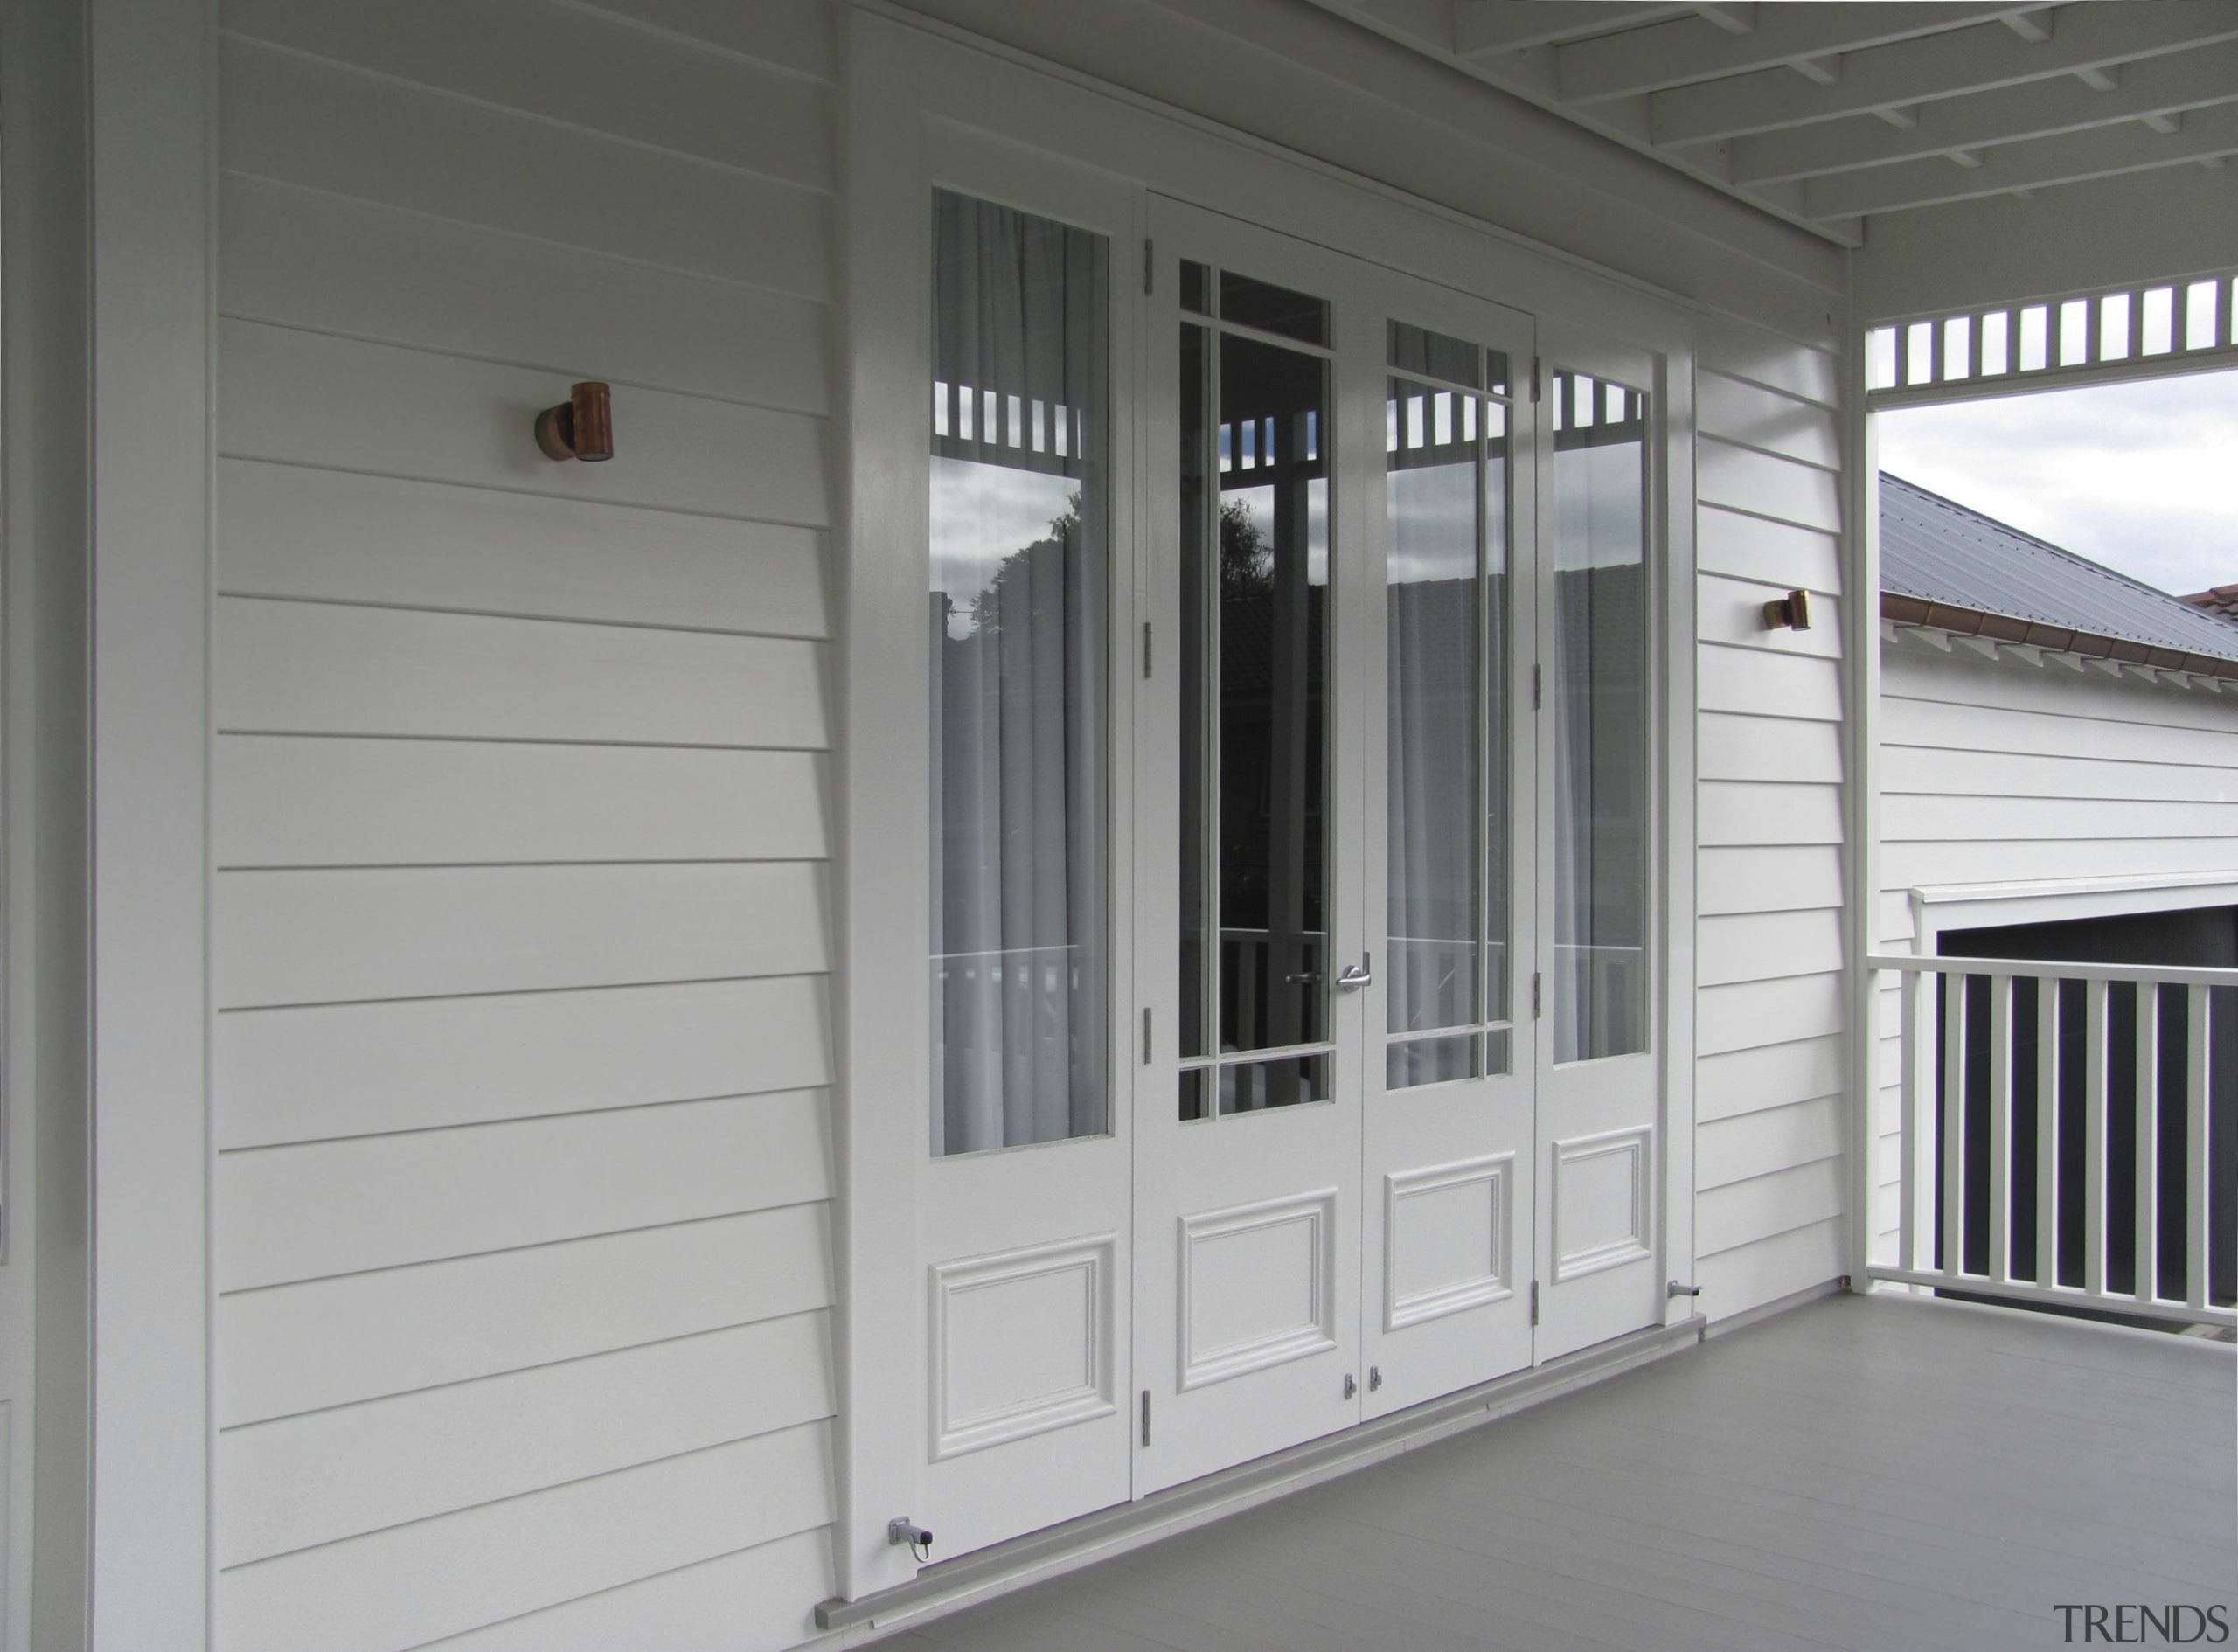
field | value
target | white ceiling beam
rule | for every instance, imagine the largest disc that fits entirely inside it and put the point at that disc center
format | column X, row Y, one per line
column 1491, row 26
column 2138, row 230
column 1967, row 60
column 1688, row 49
column 2032, row 26
column 2037, row 163
column 2154, row 86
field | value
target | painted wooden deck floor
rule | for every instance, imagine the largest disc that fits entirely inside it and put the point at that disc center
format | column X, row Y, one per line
column 1860, row 1472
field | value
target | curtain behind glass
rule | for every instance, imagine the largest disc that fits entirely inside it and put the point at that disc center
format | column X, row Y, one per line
column 1600, row 706
column 1016, row 626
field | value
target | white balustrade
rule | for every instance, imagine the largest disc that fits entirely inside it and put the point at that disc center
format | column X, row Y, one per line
column 2088, row 1067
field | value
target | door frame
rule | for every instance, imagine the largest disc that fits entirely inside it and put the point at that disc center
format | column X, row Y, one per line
column 906, row 76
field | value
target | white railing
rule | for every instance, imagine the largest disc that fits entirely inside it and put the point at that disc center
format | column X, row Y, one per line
column 2050, row 1135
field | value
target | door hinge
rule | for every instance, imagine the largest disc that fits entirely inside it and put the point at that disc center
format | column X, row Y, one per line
column 1150, row 266
column 1537, row 375
column 1534, row 1007
column 1146, row 648
column 1534, row 1320
column 1146, row 1416
column 1538, row 686
column 1146, row 1037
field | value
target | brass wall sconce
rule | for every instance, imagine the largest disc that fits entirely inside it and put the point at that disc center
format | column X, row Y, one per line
column 1790, row 613
column 581, row 427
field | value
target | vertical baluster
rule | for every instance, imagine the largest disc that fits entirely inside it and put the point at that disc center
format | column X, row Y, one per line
column 1910, row 1017
column 2000, row 1100
column 2093, row 1137
column 1922, row 1146
column 1954, row 1124
column 2148, row 1140
column 2195, row 1157
column 2048, row 1131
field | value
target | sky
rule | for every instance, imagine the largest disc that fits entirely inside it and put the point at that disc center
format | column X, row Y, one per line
column 2143, row 477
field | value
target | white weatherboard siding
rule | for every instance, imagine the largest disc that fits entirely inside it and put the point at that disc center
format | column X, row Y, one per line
column 520, row 1212
column 2000, row 772
column 1769, row 1076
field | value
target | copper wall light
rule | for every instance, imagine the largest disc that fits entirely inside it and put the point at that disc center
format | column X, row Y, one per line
column 1790, row 613
column 581, row 427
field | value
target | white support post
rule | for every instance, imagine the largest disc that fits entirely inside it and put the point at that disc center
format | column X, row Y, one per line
column 152, row 84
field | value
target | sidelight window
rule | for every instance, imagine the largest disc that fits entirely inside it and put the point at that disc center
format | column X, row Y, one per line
column 1016, row 626
column 1598, row 693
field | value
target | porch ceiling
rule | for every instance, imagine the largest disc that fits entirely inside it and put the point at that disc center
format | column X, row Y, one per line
column 1842, row 117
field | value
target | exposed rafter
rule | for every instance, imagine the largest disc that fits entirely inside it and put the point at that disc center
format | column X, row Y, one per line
column 2036, row 163
column 1978, row 59
column 1685, row 50
column 2032, row 109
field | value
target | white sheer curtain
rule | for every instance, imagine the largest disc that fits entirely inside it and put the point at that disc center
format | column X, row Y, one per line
column 1016, row 635
column 1600, row 705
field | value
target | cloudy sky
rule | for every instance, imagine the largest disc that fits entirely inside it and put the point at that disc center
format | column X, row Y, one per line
column 2142, row 477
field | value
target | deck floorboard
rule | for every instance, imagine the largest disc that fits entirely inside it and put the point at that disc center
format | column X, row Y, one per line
column 1860, row 1473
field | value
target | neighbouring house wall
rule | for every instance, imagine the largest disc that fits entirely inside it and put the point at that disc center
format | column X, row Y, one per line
column 2000, row 772
column 520, row 911
column 1769, row 1076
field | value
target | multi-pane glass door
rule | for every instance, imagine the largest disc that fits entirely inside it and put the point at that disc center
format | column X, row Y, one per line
column 1253, row 662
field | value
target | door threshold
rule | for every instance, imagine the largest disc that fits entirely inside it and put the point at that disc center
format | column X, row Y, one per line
column 1003, row 1568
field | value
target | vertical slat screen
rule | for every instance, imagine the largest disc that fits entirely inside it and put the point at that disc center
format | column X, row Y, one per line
column 1925, row 351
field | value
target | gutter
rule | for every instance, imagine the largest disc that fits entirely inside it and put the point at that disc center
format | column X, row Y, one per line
column 2004, row 628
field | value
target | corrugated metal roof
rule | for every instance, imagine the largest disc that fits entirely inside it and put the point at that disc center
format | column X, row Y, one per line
column 1938, row 550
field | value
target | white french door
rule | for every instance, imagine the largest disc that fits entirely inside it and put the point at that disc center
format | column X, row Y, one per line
column 1251, row 925
column 1291, row 801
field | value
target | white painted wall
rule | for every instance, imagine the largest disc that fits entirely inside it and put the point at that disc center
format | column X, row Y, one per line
column 519, row 1212
column 1769, row 1076
column 2004, row 773
column 520, row 940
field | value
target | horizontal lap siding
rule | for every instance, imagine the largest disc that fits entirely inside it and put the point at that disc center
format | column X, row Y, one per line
column 1770, row 822
column 2000, row 772
column 521, row 935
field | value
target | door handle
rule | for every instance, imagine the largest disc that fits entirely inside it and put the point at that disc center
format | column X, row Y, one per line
column 1356, row 975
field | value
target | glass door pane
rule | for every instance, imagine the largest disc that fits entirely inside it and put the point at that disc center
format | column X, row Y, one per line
column 1446, row 446
column 1598, row 689
column 1255, row 715
column 1017, row 621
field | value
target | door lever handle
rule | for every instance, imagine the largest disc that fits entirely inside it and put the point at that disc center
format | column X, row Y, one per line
column 1356, row 975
